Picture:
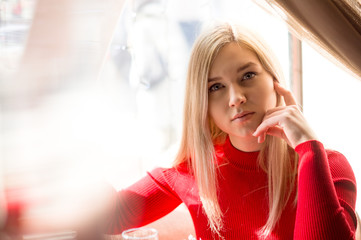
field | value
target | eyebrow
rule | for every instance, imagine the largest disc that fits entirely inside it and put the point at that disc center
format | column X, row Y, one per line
column 240, row 69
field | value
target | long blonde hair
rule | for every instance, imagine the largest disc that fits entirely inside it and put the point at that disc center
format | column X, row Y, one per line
column 200, row 134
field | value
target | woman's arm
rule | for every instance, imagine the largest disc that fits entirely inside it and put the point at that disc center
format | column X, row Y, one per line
column 143, row 202
column 326, row 183
column 326, row 194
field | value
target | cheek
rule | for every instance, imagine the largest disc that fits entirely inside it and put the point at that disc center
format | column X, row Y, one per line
column 216, row 110
column 272, row 99
column 212, row 110
column 215, row 102
column 269, row 95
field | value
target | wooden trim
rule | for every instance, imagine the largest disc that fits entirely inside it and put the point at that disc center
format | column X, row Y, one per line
column 296, row 82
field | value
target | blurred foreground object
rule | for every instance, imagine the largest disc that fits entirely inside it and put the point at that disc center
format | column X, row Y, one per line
column 331, row 27
column 68, row 40
column 140, row 233
column 39, row 191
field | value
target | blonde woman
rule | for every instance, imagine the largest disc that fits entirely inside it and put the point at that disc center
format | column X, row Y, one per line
column 249, row 166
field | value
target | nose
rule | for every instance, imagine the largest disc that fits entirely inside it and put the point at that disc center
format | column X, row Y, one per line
column 236, row 96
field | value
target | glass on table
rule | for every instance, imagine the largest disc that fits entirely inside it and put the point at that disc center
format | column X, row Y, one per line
column 143, row 233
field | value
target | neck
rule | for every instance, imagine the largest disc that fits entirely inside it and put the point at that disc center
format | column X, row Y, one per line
column 245, row 144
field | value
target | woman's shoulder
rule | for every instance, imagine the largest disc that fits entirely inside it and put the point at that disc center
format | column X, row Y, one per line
column 176, row 179
column 339, row 166
column 170, row 174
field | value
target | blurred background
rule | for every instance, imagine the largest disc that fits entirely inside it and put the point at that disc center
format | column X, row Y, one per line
column 93, row 89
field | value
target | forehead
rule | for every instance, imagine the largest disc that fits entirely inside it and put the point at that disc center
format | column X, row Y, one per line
column 231, row 56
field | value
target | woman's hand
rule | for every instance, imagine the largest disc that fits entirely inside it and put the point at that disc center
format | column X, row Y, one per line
column 286, row 122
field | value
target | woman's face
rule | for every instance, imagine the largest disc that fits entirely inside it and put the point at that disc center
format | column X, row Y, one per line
column 240, row 91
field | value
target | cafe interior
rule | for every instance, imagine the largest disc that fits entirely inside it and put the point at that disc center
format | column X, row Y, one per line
column 92, row 91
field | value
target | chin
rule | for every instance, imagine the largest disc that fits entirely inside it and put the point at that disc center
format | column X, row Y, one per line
column 245, row 134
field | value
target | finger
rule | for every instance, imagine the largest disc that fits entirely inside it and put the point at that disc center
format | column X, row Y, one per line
column 263, row 127
column 286, row 94
column 278, row 132
column 282, row 111
column 275, row 131
column 269, row 122
column 262, row 138
column 273, row 111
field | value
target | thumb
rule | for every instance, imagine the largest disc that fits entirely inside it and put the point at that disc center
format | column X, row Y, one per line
column 277, row 131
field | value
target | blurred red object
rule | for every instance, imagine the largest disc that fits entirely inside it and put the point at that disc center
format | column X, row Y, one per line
column 12, row 226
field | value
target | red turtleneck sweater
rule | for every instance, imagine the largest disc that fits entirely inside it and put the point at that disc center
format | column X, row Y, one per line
column 325, row 207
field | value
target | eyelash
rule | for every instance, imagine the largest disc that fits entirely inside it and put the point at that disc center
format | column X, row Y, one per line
column 211, row 88
column 252, row 73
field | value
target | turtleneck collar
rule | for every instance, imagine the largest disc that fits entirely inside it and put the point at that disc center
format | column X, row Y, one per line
column 240, row 159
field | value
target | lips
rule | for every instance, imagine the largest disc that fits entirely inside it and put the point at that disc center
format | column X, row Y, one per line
column 242, row 115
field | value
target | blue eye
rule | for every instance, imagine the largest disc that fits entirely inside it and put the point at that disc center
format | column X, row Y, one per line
column 248, row 75
column 215, row 87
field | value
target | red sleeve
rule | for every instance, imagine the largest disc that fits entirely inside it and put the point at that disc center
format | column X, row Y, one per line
column 326, row 194
column 143, row 202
